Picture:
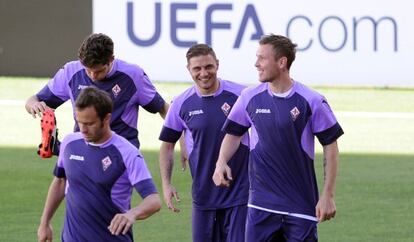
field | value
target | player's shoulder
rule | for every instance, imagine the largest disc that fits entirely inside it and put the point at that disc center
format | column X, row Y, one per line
column 184, row 96
column 232, row 87
column 71, row 68
column 128, row 68
column 311, row 95
column 125, row 147
column 72, row 137
column 134, row 73
column 251, row 91
column 119, row 140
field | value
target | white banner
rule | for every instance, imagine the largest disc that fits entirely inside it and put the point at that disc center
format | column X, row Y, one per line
column 358, row 43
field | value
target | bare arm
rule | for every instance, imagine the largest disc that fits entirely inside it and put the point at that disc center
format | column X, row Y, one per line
column 183, row 149
column 54, row 197
column 222, row 175
column 122, row 222
column 166, row 163
column 163, row 111
column 326, row 209
column 183, row 153
column 35, row 107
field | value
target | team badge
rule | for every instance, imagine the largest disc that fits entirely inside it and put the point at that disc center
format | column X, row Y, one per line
column 116, row 90
column 106, row 162
column 294, row 113
column 226, row 108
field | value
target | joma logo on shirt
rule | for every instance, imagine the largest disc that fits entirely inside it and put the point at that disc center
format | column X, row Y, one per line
column 262, row 110
column 82, row 87
column 76, row 157
column 195, row 112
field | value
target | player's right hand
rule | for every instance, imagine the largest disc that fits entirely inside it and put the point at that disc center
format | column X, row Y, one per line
column 222, row 175
column 36, row 108
column 170, row 192
column 45, row 233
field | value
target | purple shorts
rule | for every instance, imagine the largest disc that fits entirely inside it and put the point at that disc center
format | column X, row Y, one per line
column 221, row 225
column 273, row 227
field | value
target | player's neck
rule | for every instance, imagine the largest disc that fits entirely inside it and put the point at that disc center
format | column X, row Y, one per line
column 107, row 135
column 281, row 85
column 210, row 91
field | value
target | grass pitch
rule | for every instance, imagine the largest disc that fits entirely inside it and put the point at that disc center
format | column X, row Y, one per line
column 375, row 186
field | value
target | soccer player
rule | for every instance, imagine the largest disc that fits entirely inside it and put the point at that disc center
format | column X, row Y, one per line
column 95, row 172
column 218, row 214
column 127, row 84
column 283, row 116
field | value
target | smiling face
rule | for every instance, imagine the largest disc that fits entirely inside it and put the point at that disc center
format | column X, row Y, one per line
column 268, row 67
column 203, row 70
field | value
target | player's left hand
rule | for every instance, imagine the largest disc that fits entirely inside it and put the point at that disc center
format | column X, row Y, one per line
column 325, row 209
column 121, row 223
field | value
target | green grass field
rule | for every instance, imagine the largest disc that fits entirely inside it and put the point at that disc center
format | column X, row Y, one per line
column 375, row 187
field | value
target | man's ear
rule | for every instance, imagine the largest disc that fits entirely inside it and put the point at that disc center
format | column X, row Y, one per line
column 282, row 62
column 107, row 118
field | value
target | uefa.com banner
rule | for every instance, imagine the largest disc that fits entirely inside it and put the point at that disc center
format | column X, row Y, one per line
column 359, row 43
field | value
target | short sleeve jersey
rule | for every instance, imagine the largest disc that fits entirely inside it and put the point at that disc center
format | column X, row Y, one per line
column 127, row 84
column 99, row 185
column 282, row 145
column 202, row 117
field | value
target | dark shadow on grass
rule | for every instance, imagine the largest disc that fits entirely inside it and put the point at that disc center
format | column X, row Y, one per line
column 374, row 198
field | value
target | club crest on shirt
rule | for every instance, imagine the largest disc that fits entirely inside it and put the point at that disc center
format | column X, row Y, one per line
column 106, row 162
column 116, row 90
column 226, row 108
column 294, row 113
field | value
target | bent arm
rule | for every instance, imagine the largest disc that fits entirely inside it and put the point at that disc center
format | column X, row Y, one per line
column 147, row 207
column 163, row 111
column 222, row 174
column 229, row 146
column 35, row 107
column 122, row 222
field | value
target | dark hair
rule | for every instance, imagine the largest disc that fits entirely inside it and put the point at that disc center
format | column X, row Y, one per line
column 96, row 49
column 96, row 98
column 200, row 49
column 282, row 46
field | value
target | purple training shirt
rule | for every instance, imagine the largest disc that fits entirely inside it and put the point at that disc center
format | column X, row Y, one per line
column 202, row 117
column 127, row 84
column 99, row 185
column 281, row 168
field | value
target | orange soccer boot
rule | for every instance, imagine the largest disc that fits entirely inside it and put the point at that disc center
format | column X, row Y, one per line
column 49, row 134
